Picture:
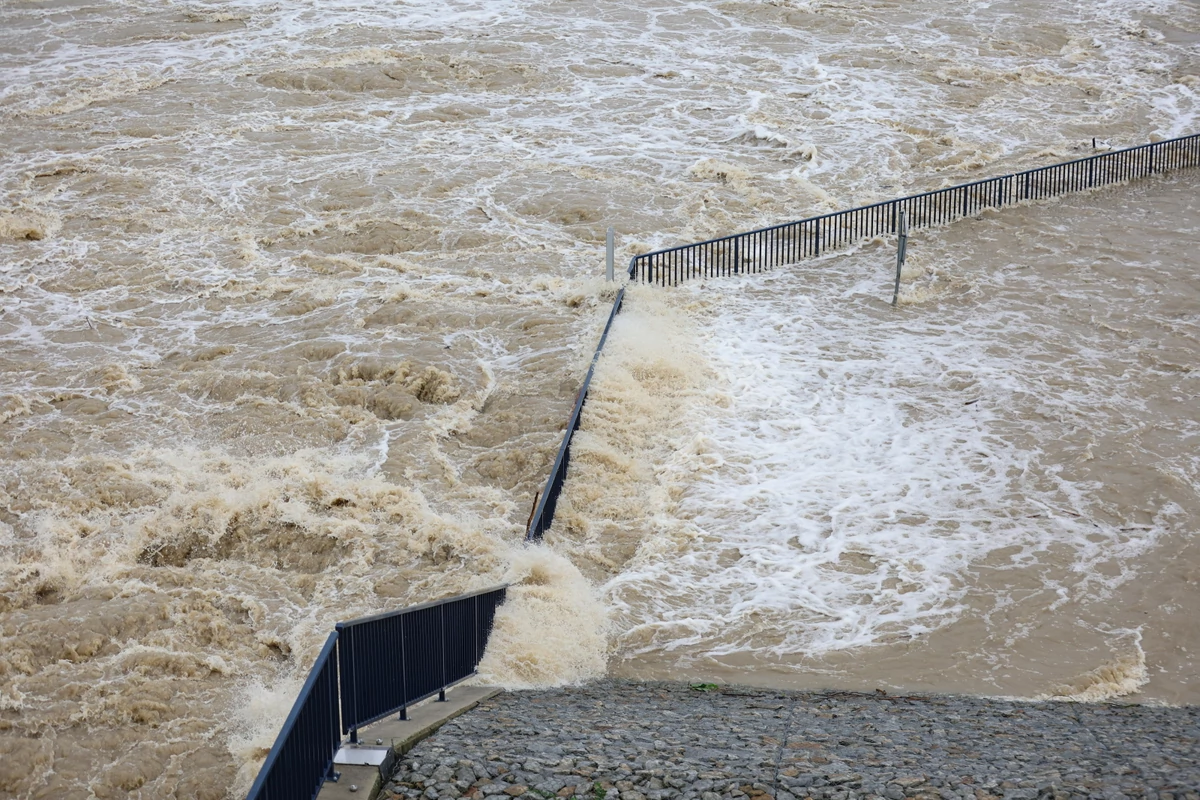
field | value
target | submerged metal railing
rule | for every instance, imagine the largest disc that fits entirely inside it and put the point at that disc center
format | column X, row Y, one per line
column 368, row 669
column 766, row 248
column 543, row 512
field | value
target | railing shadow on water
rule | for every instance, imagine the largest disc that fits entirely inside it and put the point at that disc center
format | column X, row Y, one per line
column 368, row 669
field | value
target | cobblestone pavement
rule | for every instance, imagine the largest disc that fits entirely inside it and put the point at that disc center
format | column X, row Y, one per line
column 616, row 740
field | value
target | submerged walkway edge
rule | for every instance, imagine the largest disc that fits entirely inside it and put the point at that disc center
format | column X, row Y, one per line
column 619, row 740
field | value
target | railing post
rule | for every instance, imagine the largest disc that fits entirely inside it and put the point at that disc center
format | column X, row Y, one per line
column 344, row 650
column 403, row 672
column 609, row 251
column 901, row 252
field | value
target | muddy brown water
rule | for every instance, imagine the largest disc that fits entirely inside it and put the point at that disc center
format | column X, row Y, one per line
column 991, row 489
column 295, row 297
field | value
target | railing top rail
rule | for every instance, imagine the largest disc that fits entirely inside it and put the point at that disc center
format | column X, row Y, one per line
column 350, row 623
column 264, row 772
column 1033, row 170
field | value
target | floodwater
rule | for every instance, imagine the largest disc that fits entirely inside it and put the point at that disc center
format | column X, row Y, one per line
column 993, row 488
column 295, row 298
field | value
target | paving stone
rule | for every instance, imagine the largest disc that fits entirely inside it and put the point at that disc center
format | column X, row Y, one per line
column 620, row 740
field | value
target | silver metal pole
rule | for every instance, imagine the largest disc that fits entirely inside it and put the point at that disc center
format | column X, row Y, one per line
column 610, row 250
column 901, row 252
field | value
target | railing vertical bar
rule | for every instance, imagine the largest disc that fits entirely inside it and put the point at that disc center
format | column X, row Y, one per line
column 404, row 692
column 442, row 639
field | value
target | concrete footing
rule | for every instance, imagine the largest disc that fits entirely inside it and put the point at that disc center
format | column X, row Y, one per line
column 364, row 766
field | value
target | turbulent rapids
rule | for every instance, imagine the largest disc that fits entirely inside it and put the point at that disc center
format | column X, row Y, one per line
column 295, row 298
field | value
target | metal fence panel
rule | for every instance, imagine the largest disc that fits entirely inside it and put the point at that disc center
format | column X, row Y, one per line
column 458, row 623
column 390, row 661
column 370, row 668
column 766, row 248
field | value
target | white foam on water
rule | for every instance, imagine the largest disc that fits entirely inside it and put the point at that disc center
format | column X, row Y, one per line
column 872, row 461
column 260, row 235
column 259, row 714
column 1123, row 675
column 552, row 629
column 845, row 496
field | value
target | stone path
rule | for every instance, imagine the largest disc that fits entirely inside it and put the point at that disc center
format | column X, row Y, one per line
column 615, row 740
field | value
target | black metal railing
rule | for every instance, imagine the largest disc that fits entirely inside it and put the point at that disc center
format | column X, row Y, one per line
column 302, row 758
column 390, row 661
column 368, row 669
column 543, row 513
column 766, row 248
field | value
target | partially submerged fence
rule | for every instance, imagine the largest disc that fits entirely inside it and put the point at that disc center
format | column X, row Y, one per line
column 368, row 669
column 375, row 666
column 543, row 513
column 766, row 248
